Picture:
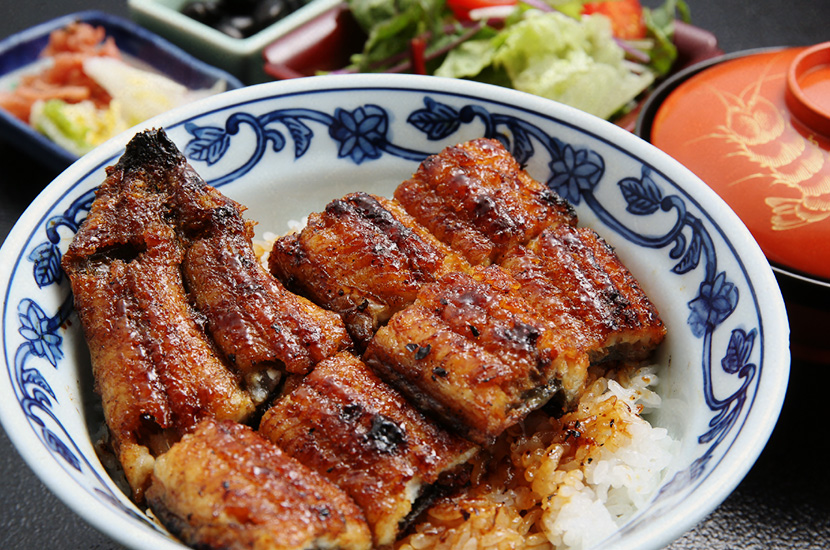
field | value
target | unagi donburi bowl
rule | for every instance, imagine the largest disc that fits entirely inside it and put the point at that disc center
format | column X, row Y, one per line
column 285, row 149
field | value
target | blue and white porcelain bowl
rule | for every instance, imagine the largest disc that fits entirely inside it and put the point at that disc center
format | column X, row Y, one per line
column 285, row 149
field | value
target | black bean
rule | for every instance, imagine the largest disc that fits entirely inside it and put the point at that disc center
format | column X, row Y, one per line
column 240, row 18
column 269, row 11
column 207, row 12
column 236, row 26
column 240, row 7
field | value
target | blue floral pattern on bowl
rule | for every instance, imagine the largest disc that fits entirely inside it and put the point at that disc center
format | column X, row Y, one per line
column 705, row 291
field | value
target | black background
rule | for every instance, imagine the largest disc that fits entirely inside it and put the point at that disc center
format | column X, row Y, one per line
column 784, row 502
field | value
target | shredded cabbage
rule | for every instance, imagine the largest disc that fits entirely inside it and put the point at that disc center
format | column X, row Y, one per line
column 77, row 127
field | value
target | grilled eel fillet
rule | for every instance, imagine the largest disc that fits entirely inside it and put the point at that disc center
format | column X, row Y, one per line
column 570, row 273
column 362, row 435
column 587, row 307
column 363, row 257
column 475, row 197
column 261, row 327
column 157, row 371
column 574, row 278
column 224, row 486
column 161, row 363
column 474, row 353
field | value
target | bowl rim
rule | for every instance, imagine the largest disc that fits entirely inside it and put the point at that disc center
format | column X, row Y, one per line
column 731, row 468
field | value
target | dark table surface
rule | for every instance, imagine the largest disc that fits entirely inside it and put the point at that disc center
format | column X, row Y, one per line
column 784, row 501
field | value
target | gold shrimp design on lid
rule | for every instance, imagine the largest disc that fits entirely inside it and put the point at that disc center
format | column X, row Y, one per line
column 784, row 154
column 732, row 123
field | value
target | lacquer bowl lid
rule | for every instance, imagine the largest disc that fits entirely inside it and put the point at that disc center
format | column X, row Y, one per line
column 756, row 128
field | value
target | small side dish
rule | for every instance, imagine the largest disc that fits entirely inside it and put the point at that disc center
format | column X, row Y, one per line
column 239, row 50
column 69, row 84
column 85, row 91
column 599, row 57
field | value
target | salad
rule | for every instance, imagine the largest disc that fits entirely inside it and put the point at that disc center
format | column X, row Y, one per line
column 83, row 92
column 595, row 56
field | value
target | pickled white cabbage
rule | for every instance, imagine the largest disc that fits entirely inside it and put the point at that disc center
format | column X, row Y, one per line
column 137, row 95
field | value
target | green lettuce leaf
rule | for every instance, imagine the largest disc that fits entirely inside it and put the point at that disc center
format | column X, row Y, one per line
column 390, row 26
column 573, row 61
column 660, row 27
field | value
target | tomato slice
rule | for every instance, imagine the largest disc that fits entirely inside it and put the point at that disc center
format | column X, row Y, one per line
column 462, row 8
column 626, row 17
